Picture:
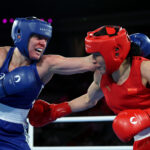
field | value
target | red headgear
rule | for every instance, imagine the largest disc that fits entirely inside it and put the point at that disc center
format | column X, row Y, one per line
column 111, row 42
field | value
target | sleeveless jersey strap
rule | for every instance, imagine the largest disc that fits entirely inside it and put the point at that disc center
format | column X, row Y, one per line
column 34, row 67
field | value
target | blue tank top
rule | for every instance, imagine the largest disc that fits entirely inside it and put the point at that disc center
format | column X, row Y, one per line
column 23, row 99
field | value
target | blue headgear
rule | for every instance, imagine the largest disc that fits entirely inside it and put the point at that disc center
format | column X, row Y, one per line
column 23, row 28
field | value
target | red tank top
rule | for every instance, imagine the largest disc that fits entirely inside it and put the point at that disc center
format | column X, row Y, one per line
column 131, row 94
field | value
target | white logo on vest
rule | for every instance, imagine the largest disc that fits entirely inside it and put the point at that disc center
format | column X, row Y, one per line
column 17, row 78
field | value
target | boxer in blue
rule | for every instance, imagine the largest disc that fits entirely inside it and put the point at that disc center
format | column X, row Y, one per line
column 24, row 71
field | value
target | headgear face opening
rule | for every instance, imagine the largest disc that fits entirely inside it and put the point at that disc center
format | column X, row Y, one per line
column 23, row 28
column 111, row 42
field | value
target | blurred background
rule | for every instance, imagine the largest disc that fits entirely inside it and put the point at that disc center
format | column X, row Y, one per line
column 71, row 20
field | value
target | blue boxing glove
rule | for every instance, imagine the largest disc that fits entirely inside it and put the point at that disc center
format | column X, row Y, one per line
column 17, row 81
column 142, row 41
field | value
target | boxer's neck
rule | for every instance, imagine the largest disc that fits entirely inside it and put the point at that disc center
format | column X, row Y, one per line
column 122, row 74
column 18, row 60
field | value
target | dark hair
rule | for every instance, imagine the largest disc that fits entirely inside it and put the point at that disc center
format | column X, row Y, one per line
column 134, row 51
column 103, row 31
column 148, row 57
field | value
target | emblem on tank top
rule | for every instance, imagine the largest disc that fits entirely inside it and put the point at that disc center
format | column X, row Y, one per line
column 2, row 75
column 108, row 88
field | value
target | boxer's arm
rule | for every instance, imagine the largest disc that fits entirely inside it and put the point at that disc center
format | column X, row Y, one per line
column 62, row 65
column 44, row 113
column 87, row 100
column 90, row 99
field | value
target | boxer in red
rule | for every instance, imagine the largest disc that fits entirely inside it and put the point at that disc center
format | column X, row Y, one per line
column 125, row 81
column 123, row 78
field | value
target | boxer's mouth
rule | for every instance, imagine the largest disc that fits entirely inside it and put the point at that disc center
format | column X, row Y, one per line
column 39, row 50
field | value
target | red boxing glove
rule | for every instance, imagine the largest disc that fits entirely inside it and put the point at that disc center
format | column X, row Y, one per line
column 128, row 123
column 43, row 113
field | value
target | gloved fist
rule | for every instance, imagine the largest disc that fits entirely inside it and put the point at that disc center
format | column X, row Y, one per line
column 128, row 123
column 43, row 113
column 142, row 41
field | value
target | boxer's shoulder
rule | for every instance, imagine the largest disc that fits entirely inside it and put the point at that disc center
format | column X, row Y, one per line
column 3, row 53
column 4, row 50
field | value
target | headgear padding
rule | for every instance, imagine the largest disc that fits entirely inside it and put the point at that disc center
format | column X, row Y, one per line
column 111, row 42
column 23, row 28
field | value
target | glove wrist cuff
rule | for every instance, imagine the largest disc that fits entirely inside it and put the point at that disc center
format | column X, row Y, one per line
column 61, row 110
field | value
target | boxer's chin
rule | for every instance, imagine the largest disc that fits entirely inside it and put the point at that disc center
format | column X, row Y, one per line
column 35, row 56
